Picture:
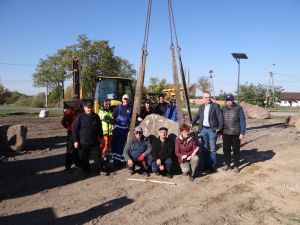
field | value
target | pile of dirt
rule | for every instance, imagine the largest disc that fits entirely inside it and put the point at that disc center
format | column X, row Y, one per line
column 35, row 189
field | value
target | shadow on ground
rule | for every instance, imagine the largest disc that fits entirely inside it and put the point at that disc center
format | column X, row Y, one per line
column 26, row 177
column 34, row 144
column 252, row 156
column 47, row 215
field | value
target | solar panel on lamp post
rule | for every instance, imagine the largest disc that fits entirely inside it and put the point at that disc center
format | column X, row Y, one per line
column 238, row 57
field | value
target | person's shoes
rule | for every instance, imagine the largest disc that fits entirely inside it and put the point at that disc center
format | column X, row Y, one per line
column 157, row 173
column 131, row 172
column 146, row 174
column 213, row 169
column 169, row 175
column 236, row 169
column 104, row 173
column 191, row 178
column 226, row 167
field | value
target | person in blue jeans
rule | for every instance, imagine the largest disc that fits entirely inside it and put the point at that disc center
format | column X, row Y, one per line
column 137, row 151
column 211, row 123
column 163, row 153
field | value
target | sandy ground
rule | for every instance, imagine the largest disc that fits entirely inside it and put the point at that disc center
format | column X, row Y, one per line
column 35, row 189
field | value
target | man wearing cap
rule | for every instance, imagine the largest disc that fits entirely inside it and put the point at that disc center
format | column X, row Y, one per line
column 210, row 124
column 68, row 121
column 138, row 152
column 106, row 117
column 122, row 116
column 162, row 106
column 233, row 132
column 163, row 153
column 171, row 112
column 87, row 132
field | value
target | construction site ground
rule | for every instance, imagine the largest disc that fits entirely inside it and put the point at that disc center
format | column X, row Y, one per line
column 35, row 188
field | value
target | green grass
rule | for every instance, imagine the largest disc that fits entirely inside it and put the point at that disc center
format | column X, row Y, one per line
column 18, row 111
column 285, row 108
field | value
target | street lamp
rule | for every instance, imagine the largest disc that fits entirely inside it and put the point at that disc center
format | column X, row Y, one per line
column 238, row 57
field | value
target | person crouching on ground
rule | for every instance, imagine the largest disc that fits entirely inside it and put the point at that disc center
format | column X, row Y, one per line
column 87, row 132
column 137, row 151
column 68, row 121
column 163, row 152
column 186, row 152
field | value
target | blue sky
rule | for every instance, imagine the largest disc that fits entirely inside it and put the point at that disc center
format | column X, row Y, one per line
column 209, row 31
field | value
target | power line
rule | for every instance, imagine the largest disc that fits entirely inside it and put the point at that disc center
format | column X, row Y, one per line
column 15, row 64
column 286, row 74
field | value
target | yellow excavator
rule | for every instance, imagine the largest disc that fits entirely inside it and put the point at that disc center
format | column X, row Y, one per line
column 107, row 87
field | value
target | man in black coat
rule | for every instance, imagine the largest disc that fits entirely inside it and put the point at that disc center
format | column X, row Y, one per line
column 87, row 133
column 210, row 125
column 163, row 152
column 162, row 106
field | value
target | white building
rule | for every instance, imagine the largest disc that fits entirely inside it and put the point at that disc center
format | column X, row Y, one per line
column 290, row 99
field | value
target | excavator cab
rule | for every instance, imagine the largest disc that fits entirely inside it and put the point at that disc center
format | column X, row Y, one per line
column 111, row 88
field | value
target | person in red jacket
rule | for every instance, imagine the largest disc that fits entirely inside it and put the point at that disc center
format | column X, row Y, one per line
column 68, row 121
column 186, row 152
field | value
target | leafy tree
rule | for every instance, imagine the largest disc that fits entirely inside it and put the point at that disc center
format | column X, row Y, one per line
column 156, row 85
column 38, row 100
column 2, row 91
column 69, row 92
column 54, row 94
column 256, row 94
column 222, row 95
column 96, row 58
column 203, row 83
column 24, row 101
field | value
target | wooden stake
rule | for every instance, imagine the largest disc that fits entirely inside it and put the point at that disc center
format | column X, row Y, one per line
column 151, row 181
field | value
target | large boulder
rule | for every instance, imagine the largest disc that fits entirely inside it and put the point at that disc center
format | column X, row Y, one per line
column 13, row 137
column 292, row 120
column 255, row 112
column 297, row 125
column 153, row 122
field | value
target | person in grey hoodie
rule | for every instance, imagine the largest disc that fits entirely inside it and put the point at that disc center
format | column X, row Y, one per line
column 137, row 151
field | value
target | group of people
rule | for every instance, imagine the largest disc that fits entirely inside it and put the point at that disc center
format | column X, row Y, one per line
column 104, row 134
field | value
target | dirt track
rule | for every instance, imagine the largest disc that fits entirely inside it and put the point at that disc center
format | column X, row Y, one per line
column 35, row 189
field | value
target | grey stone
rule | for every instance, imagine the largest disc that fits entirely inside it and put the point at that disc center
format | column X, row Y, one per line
column 153, row 122
column 16, row 137
column 255, row 112
column 44, row 113
column 292, row 120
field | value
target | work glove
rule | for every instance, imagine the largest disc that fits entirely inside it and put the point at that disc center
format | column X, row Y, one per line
column 141, row 157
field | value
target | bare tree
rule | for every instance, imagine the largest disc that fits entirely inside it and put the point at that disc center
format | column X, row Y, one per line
column 203, row 83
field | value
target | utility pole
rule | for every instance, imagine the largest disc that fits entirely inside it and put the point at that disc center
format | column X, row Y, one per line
column 212, row 84
column 270, row 88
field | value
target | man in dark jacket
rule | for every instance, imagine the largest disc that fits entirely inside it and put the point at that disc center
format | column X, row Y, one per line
column 233, row 132
column 162, row 106
column 137, row 151
column 210, row 124
column 163, row 153
column 87, row 133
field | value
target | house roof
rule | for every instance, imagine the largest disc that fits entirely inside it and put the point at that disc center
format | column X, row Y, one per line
column 290, row 96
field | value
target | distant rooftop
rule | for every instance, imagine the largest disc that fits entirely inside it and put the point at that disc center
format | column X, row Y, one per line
column 290, row 96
